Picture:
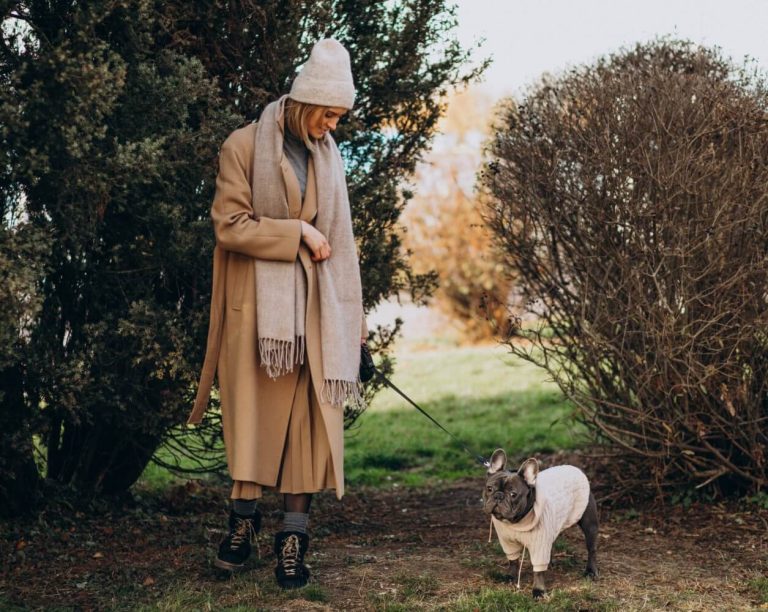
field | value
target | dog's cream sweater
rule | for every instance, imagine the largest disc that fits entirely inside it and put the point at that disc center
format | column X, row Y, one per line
column 562, row 494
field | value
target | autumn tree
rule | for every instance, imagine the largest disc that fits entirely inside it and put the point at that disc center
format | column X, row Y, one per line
column 445, row 228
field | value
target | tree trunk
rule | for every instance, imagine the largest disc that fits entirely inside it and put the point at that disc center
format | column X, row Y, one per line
column 100, row 458
column 19, row 478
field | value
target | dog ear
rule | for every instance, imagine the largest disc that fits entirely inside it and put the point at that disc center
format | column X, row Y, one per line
column 529, row 470
column 498, row 461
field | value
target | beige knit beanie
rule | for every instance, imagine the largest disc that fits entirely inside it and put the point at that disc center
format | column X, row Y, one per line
column 326, row 77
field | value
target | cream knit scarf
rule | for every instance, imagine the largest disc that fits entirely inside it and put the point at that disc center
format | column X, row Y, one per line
column 281, row 287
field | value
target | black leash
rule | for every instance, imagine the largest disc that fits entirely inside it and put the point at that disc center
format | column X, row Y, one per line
column 479, row 458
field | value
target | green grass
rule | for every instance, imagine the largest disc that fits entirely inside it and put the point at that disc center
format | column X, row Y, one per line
column 483, row 396
column 760, row 587
column 241, row 593
column 180, row 599
column 411, row 592
column 312, row 592
column 422, row 586
column 504, row 599
column 156, row 478
column 760, row 500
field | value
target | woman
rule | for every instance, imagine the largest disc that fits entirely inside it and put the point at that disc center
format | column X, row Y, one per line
column 286, row 309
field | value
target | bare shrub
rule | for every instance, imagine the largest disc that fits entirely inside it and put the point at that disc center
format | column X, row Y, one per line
column 631, row 198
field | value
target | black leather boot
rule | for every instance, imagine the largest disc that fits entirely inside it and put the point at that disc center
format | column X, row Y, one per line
column 290, row 548
column 235, row 548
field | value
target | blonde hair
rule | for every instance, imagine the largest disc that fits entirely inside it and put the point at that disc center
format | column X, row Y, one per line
column 297, row 115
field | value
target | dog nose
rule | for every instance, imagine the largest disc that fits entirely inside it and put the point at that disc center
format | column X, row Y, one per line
column 498, row 496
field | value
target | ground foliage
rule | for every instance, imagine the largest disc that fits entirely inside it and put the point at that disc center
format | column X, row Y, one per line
column 629, row 196
column 382, row 549
column 112, row 113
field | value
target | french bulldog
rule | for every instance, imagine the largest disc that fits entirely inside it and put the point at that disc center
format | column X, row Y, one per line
column 530, row 509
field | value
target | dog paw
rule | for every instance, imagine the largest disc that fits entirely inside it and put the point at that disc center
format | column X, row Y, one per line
column 539, row 593
column 591, row 573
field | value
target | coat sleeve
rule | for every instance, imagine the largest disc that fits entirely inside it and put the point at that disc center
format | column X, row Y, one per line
column 233, row 223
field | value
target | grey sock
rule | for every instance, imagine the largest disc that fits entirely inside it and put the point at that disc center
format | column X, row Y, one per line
column 244, row 507
column 296, row 521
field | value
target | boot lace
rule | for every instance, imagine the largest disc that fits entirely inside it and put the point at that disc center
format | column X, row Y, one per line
column 290, row 555
column 243, row 529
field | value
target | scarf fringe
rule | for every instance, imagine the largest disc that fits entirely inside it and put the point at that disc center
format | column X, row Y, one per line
column 279, row 356
column 338, row 392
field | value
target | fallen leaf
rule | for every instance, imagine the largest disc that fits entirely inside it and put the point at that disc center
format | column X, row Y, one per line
column 98, row 555
column 148, row 581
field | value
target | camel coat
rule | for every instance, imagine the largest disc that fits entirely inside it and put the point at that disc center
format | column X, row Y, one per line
column 255, row 408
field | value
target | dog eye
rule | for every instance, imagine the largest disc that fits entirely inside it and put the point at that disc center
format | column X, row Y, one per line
column 513, row 494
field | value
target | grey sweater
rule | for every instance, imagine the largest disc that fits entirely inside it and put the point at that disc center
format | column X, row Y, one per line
column 298, row 154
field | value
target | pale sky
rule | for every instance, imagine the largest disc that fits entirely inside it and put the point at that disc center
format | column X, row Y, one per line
column 529, row 37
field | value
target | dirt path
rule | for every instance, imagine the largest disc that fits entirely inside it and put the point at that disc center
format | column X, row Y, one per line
column 382, row 550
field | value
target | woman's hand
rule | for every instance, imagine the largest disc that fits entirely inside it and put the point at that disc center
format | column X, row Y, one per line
column 315, row 241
